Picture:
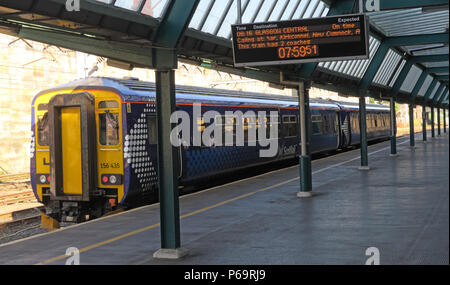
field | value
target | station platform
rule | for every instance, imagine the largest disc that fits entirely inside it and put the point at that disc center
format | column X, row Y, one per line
column 400, row 207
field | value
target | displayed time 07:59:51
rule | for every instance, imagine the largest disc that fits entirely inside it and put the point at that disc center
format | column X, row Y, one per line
column 298, row 51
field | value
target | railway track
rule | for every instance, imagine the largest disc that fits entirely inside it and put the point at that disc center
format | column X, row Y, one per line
column 20, row 224
column 19, row 211
column 14, row 178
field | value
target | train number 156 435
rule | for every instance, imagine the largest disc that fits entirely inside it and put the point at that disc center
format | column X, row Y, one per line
column 106, row 165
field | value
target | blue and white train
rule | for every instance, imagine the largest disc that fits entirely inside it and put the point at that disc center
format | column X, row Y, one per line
column 93, row 146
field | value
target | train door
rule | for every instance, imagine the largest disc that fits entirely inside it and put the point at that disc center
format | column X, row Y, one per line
column 345, row 129
column 71, row 150
column 290, row 133
column 72, row 146
column 338, row 130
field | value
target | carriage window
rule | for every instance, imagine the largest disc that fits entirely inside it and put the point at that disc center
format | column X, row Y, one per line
column 227, row 124
column 109, row 128
column 152, row 130
column 43, row 130
column 316, row 124
column 108, row 105
column 290, row 128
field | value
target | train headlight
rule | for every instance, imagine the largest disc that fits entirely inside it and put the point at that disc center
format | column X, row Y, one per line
column 42, row 179
column 112, row 179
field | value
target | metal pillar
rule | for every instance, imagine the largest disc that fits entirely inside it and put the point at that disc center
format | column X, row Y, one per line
column 412, row 141
column 363, row 134
column 439, row 121
column 424, row 123
column 393, row 128
column 432, row 122
column 168, row 166
column 305, row 157
column 445, row 123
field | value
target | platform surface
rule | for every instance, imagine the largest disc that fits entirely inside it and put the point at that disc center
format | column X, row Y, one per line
column 400, row 206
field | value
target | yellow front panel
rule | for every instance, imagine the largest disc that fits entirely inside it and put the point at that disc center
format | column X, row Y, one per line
column 111, row 156
column 71, row 150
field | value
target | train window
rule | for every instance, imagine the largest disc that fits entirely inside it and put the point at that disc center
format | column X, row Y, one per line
column 316, row 124
column 109, row 128
column 43, row 131
column 152, row 130
column 290, row 128
column 227, row 127
column 270, row 120
column 108, row 105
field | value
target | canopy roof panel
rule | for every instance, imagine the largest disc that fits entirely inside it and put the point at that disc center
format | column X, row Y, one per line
column 402, row 35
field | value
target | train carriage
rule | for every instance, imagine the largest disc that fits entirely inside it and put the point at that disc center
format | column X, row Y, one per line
column 94, row 141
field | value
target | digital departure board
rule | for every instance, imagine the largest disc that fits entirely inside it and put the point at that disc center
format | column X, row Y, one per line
column 300, row 41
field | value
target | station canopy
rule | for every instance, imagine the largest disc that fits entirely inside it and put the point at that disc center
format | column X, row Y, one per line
column 408, row 42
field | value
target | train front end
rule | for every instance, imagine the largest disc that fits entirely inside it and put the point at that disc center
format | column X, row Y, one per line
column 77, row 163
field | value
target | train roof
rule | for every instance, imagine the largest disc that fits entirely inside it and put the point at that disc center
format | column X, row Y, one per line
column 132, row 89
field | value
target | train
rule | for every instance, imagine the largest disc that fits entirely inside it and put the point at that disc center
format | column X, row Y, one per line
column 94, row 140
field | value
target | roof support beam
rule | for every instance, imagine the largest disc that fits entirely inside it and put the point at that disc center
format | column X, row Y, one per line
column 336, row 8
column 396, row 41
column 173, row 25
column 410, row 62
column 437, row 99
column 443, row 97
column 438, row 69
column 418, row 85
column 404, row 4
column 430, row 89
column 113, row 11
column 442, row 77
column 429, row 58
column 417, row 39
column 401, row 77
column 401, row 4
column 135, row 54
column 437, row 94
column 374, row 65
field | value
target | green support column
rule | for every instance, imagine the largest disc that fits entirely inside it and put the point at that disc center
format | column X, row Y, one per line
column 445, row 126
column 168, row 166
column 305, row 157
column 363, row 134
column 393, row 128
column 412, row 141
column 424, row 123
column 439, row 121
column 432, row 122
column 176, row 18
